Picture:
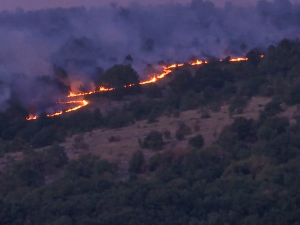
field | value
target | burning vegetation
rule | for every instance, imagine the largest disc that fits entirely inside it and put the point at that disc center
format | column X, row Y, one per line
column 166, row 70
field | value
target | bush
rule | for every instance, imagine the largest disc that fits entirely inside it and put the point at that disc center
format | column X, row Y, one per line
column 114, row 139
column 238, row 104
column 152, row 118
column 136, row 162
column 79, row 143
column 153, row 141
column 167, row 134
column 153, row 91
column 118, row 118
column 179, row 134
column 197, row 141
column 205, row 115
column 272, row 108
column 185, row 129
column 176, row 113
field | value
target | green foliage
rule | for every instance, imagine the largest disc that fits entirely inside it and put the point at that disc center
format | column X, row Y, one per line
column 47, row 136
column 79, row 143
column 250, row 177
column 152, row 118
column 197, row 141
column 167, row 133
column 117, row 118
column 244, row 128
column 238, row 104
column 254, row 56
column 83, row 167
column 153, row 91
column 136, row 162
column 153, row 141
column 182, row 82
column 272, row 108
column 56, row 156
column 205, row 114
column 118, row 76
column 179, row 135
column 293, row 94
column 189, row 101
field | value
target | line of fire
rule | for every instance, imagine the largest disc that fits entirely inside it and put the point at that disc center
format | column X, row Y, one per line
column 166, row 70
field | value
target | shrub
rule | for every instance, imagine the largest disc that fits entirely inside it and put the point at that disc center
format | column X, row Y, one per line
column 79, row 143
column 176, row 113
column 153, row 91
column 197, row 141
column 196, row 126
column 113, row 139
column 153, row 141
column 185, row 129
column 238, row 104
column 167, row 133
column 136, row 162
column 205, row 115
column 179, row 134
column 152, row 118
column 272, row 108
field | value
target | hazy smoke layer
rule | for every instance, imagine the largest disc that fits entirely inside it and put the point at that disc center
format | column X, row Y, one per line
column 42, row 52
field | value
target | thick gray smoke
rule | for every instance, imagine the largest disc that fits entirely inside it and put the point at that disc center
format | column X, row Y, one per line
column 81, row 41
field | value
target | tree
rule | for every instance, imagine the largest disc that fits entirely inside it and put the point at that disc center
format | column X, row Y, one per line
column 182, row 82
column 197, row 141
column 272, row 108
column 153, row 91
column 136, row 162
column 254, row 56
column 154, row 141
column 118, row 76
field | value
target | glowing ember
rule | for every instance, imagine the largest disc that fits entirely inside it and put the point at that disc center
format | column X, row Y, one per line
column 238, row 59
column 55, row 114
column 31, row 118
column 166, row 71
column 84, row 103
column 81, row 102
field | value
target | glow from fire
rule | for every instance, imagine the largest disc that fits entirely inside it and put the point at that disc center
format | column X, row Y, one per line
column 238, row 59
column 166, row 70
column 81, row 103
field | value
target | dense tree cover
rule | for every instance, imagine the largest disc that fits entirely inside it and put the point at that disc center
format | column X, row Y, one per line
column 245, row 178
column 118, row 76
column 276, row 74
column 250, row 175
column 45, row 130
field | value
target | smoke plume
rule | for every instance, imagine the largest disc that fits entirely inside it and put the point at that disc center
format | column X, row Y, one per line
column 36, row 46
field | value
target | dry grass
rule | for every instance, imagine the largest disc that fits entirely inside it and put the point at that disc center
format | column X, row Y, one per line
column 120, row 151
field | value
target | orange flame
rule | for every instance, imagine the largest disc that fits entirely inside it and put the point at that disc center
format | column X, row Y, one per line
column 238, row 59
column 82, row 104
column 31, row 118
column 166, row 70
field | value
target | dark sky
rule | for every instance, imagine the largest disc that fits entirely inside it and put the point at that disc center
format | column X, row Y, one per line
column 37, row 4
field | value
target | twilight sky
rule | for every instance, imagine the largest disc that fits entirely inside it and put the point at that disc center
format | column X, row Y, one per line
column 37, row 4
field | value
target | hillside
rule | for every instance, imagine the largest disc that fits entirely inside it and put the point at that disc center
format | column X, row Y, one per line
column 212, row 144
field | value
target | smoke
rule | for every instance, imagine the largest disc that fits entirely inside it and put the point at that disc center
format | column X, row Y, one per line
column 81, row 42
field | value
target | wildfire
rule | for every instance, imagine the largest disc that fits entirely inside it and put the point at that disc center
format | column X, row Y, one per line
column 81, row 102
column 166, row 71
column 238, row 59
column 101, row 89
column 84, row 103
column 31, row 118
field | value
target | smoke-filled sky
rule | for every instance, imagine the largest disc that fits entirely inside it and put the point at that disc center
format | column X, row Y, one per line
column 38, row 4
column 43, row 51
